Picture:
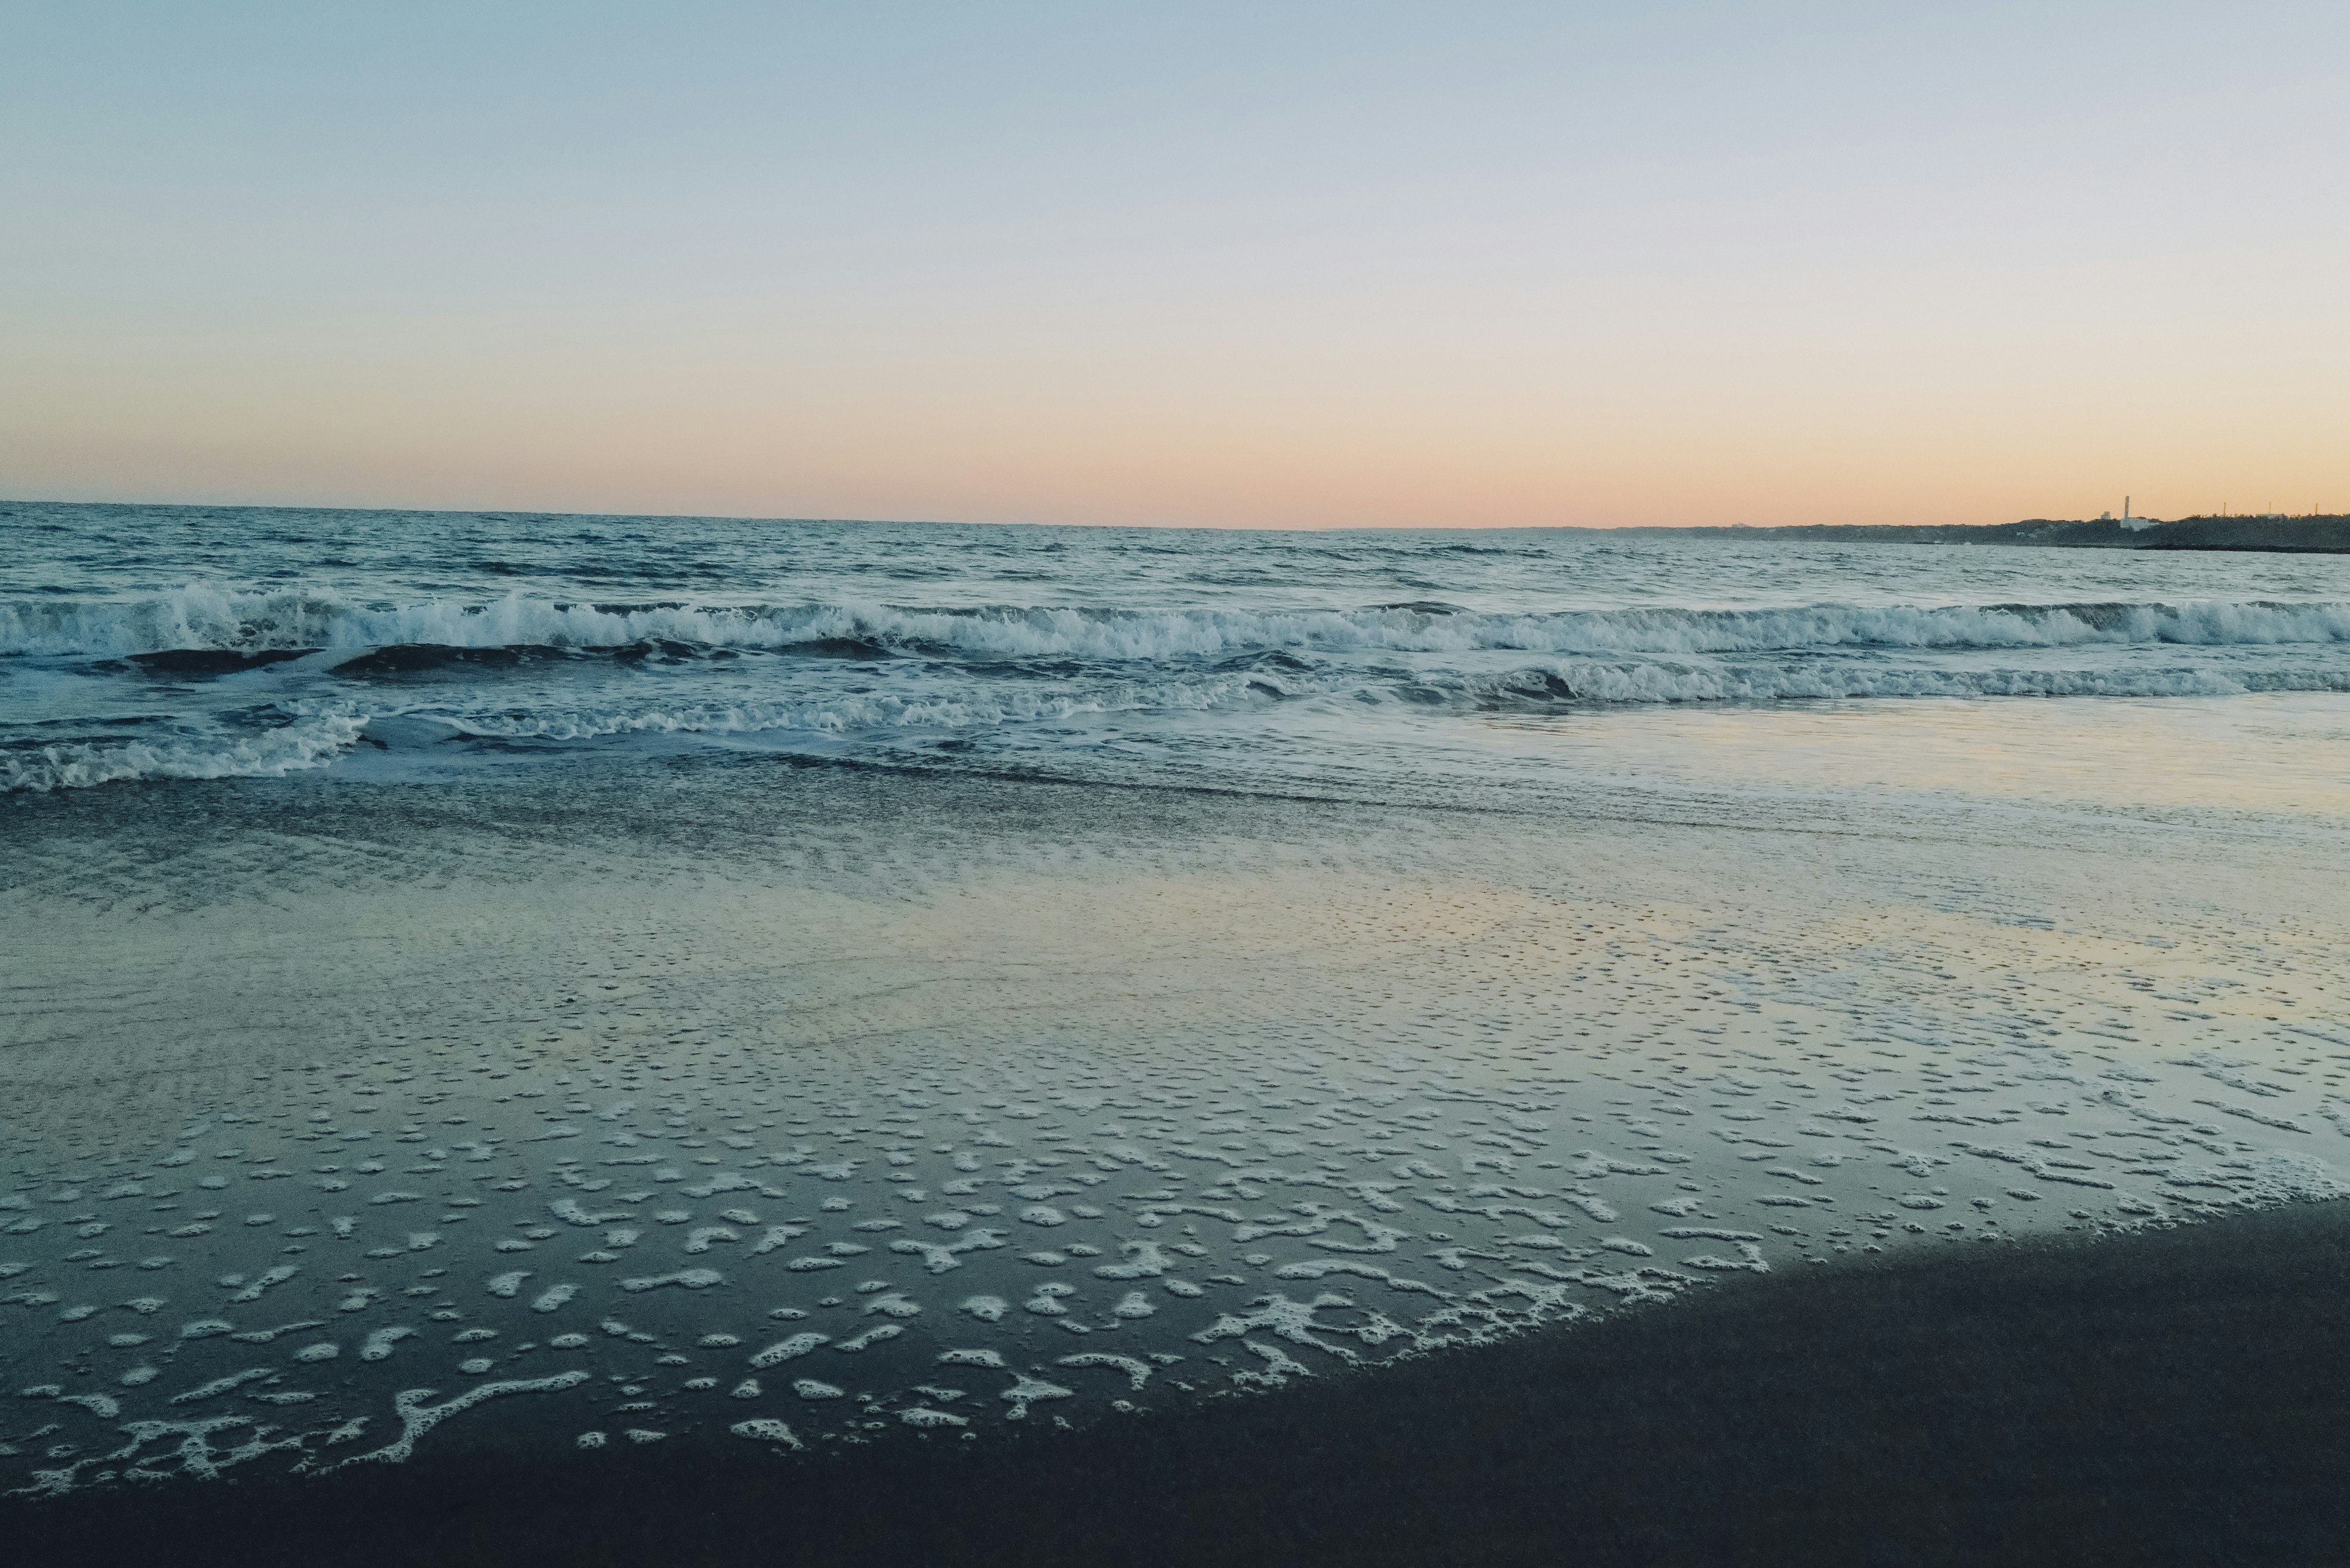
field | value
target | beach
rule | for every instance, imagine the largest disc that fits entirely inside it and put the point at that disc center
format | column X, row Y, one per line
column 2156, row 1398
column 1495, row 1144
column 1524, row 786
column 1895, row 1128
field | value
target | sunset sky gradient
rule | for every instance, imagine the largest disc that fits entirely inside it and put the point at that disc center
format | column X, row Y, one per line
column 1264, row 265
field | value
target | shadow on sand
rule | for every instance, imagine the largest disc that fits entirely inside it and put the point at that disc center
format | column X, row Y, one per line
column 2181, row 1396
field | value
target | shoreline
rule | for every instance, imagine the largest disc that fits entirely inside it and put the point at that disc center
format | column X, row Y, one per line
column 2156, row 1396
column 1285, row 972
column 2319, row 535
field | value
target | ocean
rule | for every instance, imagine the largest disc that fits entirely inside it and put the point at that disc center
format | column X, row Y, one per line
column 179, row 642
column 608, row 995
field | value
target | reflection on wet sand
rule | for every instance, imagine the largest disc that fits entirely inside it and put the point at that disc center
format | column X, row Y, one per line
column 865, row 1105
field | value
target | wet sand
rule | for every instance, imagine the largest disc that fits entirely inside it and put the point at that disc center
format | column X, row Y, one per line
column 2170, row 1396
column 720, row 1146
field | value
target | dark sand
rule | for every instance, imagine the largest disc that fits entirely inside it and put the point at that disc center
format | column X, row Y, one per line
column 2174, row 1397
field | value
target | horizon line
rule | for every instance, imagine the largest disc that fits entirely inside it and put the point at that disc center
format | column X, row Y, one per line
column 1022, row 522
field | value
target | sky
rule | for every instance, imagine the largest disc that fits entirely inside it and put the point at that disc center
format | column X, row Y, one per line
column 1212, row 263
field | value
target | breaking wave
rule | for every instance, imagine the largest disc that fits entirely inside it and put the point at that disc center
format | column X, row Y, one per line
column 204, row 617
column 210, row 681
column 317, row 736
column 271, row 754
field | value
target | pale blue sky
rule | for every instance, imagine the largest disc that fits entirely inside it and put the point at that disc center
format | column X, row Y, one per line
column 1210, row 262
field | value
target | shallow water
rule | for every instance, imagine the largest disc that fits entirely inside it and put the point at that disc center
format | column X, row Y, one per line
column 620, row 1091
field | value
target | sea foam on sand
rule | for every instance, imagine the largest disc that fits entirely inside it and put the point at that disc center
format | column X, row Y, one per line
column 826, row 1106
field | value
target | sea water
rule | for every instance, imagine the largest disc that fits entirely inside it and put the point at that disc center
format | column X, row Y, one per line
column 155, row 642
column 624, row 981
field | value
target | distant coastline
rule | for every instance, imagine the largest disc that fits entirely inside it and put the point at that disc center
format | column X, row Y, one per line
column 2317, row 534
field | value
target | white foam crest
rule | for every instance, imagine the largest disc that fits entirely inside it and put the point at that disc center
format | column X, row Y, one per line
column 203, row 615
column 312, row 742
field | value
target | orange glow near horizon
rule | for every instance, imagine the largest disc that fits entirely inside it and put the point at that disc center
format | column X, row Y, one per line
column 1322, row 453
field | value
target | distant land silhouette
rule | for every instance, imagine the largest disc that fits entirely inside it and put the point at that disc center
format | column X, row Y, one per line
column 2321, row 534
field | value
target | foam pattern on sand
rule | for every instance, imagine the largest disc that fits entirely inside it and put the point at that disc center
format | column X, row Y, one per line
column 662, row 1153
column 1225, row 1231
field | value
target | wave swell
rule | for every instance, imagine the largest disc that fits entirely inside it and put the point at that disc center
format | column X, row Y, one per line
column 210, row 618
